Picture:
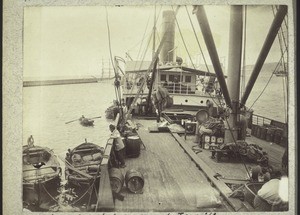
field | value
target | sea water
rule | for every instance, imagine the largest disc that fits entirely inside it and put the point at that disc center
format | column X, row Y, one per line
column 46, row 109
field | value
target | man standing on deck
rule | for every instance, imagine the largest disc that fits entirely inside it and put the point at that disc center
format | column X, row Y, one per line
column 118, row 145
column 268, row 198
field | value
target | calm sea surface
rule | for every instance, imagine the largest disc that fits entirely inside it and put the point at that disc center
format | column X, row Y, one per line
column 46, row 109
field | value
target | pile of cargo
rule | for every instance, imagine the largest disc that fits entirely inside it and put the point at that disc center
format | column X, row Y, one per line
column 269, row 133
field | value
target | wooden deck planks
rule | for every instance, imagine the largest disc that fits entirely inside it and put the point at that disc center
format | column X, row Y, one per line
column 172, row 180
column 221, row 186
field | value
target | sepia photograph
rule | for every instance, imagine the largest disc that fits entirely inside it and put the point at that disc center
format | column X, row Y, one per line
column 184, row 108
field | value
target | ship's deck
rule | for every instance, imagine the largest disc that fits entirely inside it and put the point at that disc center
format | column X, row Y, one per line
column 237, row 170
column 172, row 180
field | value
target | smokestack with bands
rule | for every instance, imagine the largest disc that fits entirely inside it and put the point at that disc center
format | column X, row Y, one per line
column 168, row 26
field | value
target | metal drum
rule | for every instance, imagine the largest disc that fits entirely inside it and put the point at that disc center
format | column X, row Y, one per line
column 116, row 179
column 133, row 146
column 134, row 181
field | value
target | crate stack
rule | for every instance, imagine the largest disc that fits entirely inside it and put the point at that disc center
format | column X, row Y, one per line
column 211, row 141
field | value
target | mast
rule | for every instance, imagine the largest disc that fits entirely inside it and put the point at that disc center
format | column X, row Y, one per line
column 234, row 70
column 150, row 68
column 243, row 76
column 154, row 71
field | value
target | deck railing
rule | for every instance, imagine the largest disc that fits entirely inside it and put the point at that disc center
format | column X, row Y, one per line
column 185, row 89
column 260, row 120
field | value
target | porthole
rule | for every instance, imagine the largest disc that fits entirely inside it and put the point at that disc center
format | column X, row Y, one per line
column 186, row 100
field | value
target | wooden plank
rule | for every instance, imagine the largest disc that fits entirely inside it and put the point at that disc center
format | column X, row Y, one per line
column 221, row 186
column 105, row 200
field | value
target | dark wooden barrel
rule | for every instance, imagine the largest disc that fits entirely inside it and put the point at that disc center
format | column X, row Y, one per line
column 116, row 179
column 258, row 131
column 133, row 146
column 134, row 181
column 263, row 133
column 254, row 130
column 278, row 136
column 270, row 135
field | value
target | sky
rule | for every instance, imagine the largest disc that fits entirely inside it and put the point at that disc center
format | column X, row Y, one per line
column 72, row 41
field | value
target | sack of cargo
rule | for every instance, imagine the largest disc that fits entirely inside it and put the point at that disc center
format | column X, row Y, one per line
column 169, row 102
column 207, row 198
column 76, row 158
column 87, row 158
column 97, row 156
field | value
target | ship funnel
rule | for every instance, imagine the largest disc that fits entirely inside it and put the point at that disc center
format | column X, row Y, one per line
column 168, row 27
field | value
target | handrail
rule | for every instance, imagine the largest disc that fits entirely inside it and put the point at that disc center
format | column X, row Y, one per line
column 261, row 120
column 185, row 89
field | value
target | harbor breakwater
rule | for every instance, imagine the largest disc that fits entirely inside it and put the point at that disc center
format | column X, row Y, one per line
column 32, row 83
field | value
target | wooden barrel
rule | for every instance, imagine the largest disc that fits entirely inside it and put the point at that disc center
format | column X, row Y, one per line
column 254, row 130
column 270, row 135
column 134, row 181
column 116, row 179
column 258, row 131
column 263, row 132
column 133, row 146
column 278, row 135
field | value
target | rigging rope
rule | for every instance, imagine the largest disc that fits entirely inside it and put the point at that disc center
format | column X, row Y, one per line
column 268, row 80
column 83, row 194
column 49, row 194
column 146, row 49
column 111, row 58
column 185, row 46
column 140, row 41
column 281, row 34
column 138, row 55
column 197, row 40
column 212, row 98
column 205, row 62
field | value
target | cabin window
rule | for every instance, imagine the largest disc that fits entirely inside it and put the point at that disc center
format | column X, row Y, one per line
column 188, row 78
column 174, row 78
column 163, row 77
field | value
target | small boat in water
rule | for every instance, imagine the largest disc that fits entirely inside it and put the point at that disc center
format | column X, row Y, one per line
column 83, row 164
column 41, row 176
column 86, row 121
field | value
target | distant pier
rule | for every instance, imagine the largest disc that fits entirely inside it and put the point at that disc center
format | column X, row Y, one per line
column 33, row 83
